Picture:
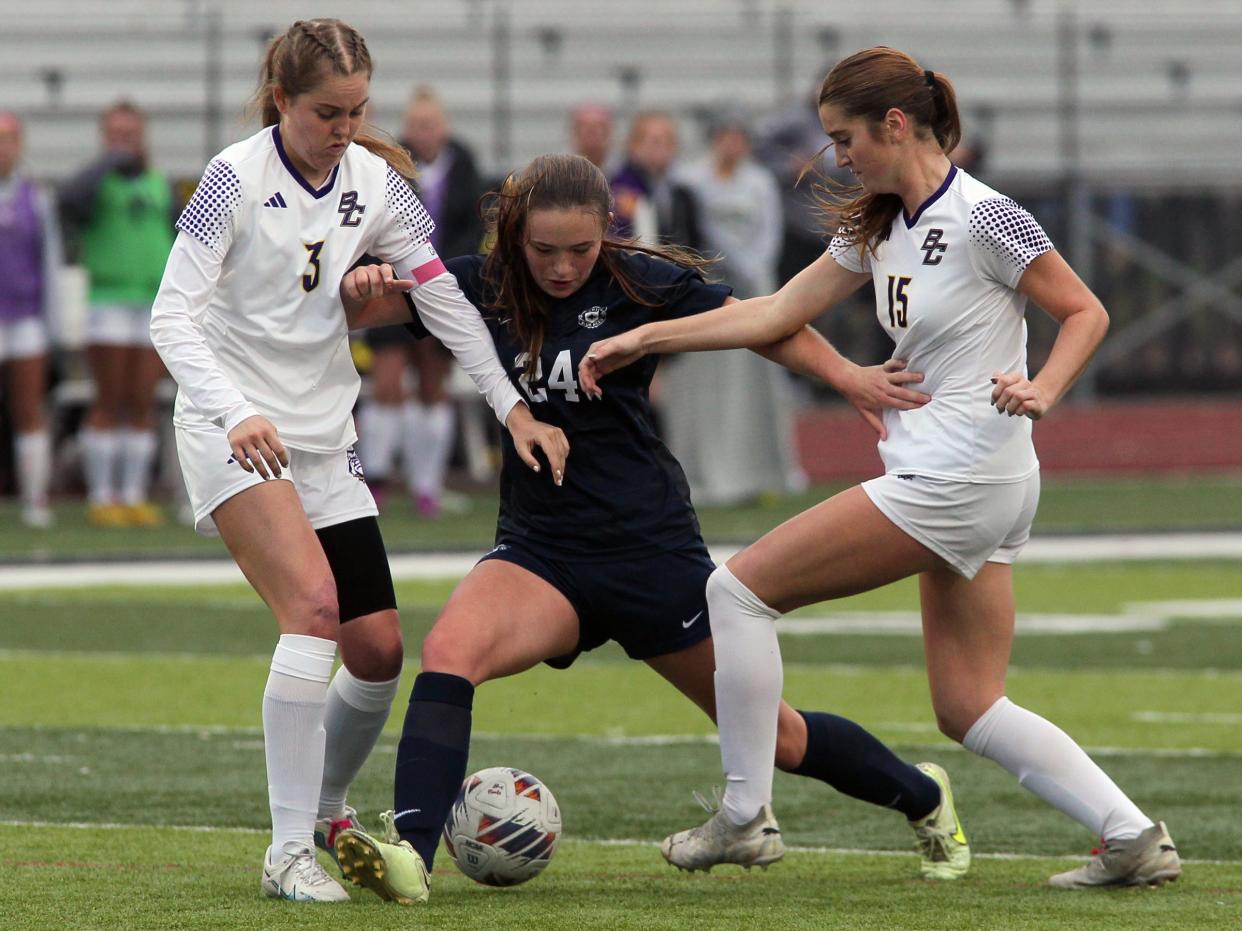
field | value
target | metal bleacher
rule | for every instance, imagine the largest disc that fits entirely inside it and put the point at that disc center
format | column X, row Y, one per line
column 1156, row 94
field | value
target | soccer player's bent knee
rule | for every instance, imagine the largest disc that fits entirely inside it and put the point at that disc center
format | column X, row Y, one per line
column 456, row 655
column 313, row 611
column 378, row 657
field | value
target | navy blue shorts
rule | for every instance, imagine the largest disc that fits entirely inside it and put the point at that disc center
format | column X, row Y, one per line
column 651, row 606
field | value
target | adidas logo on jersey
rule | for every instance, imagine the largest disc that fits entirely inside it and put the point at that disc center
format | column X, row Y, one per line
column 276, row 200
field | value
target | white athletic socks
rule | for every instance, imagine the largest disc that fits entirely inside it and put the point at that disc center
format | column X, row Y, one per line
column 428, row 445
column 1050, row 764
column 353, row 720
column 33, row 453
column 101, row 451
column 749, row 679
column 293, row 734
column 137, row 453
column 379, row 438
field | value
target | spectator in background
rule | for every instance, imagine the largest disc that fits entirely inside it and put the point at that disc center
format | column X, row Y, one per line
column 422, row 427
column 650, row 205
column 590, row 133
column 791, row 145
column 728, row 415
column 122, row 209
column 30, row 258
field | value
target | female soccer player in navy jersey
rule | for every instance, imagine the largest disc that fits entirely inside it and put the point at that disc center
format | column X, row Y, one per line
column 615, row 553
column 250, row 324
column 953, row 263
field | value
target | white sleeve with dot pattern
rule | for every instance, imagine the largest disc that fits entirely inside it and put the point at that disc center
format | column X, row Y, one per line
column 1005, row 239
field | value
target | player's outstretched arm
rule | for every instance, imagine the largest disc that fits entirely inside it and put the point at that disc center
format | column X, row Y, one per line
column 759, row 321
column 372, row 297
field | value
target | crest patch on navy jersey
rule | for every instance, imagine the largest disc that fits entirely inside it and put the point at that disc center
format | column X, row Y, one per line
column 592, row 317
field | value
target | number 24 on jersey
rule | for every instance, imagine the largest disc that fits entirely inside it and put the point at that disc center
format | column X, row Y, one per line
column 561, row 377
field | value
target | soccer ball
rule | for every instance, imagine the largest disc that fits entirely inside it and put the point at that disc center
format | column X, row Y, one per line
column 503, row 828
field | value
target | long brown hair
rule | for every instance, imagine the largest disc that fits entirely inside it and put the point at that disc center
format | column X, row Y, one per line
column 297, row 61
column 868, row 84
column 554, row 182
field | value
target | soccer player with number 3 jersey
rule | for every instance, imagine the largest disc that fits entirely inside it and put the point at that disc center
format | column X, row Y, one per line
column 250, row 323
column 953, row 263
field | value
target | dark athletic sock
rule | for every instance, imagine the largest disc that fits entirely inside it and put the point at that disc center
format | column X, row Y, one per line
column 852, row 761
column 431, row 758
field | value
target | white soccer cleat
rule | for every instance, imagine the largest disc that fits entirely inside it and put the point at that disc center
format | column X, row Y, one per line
column 719, row 840
column 390, row 868
column 1147, row 860
column 939, row 837
column 328, row 829
column 297, row 876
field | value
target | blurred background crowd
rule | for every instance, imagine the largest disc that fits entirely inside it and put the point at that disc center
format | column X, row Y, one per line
column 1115, row 123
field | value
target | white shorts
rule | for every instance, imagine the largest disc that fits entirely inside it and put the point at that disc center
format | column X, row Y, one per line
column 23, row 338
column 965, row 523
column 331, row 486
column 119, row 325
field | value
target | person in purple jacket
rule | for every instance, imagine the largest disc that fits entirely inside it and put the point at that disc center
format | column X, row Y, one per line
column 30, row 256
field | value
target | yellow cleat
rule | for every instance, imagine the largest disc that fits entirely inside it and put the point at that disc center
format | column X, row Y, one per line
column 107, row 515
column 144, row 514
column 939, row 837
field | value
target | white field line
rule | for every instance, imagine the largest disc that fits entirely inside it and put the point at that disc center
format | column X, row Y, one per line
column 909, row 623
column 1117, row 547
column 591, row 841
column 243, row 739
column 1176, row 717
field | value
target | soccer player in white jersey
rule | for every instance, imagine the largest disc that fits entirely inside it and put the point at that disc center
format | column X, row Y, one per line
column 250, row 324
column 953, row 263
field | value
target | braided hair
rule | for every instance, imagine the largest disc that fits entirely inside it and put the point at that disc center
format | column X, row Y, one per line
column 301, row 57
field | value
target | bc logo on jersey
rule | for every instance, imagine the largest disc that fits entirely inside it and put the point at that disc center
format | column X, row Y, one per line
column 592, row 317
column 934, row 248
column 349, row 206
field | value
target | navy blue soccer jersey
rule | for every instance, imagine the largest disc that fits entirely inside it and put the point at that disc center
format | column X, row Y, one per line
column 624, row 494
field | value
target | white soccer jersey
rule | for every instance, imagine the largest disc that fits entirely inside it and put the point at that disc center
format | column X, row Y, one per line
column 249, row 318
column 944, row 284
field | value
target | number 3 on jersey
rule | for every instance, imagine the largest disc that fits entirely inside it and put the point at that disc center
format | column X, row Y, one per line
column 310, row 277
column 898, row 300
column 562, row 377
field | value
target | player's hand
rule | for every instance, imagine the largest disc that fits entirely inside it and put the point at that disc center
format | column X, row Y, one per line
column 606, row 356
column 872, row 388
column 257, row 447
column 1016, row 395
column 367, row 282
column 528, row 433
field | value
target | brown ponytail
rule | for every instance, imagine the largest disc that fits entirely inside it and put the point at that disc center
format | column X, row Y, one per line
column 554, row 182
column 868, row 84
column 295, row 62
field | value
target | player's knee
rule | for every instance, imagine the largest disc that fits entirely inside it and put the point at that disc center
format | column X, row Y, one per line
column 444, row 652
column 313, row 611
column 377, row 658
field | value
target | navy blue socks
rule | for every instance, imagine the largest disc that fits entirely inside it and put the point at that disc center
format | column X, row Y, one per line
column 852, row 761
column 431, row 758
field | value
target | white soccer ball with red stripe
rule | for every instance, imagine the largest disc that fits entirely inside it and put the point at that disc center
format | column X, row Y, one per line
column 503, row 828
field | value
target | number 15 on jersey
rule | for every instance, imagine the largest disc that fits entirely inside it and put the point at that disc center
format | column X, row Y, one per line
column 898, row 300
